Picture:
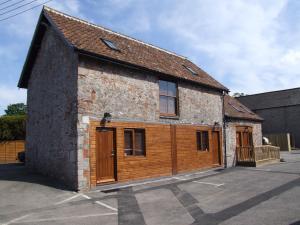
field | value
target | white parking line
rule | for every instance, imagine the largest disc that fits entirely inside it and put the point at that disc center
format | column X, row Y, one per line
column 68, row 199
column 217, row 185
column 16, row 219
column 180, row 178
column 105, row 205
column 154, row 181
column 68, row 218
column 85, row 196
column 266, row 170
column 134, row 185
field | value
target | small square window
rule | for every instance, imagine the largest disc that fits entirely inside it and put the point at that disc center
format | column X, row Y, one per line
column 134, row 142
column 202, row 141
column 110, row 44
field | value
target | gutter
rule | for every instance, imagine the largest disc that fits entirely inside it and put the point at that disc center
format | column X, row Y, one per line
column 224, row 129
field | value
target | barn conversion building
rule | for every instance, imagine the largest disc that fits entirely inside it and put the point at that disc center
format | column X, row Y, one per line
column 104, row 107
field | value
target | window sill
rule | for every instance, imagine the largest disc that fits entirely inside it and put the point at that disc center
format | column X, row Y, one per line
column 135, row 157
column 169, row 117
column 202, row 152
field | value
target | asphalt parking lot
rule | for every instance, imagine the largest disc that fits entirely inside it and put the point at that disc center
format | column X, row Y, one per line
column 265, row 195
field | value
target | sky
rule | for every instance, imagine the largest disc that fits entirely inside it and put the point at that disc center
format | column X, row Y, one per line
column 249, row 46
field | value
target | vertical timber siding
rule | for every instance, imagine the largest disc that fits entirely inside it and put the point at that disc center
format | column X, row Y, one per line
column 188, row 158
column 158, row 159
column 9, row 151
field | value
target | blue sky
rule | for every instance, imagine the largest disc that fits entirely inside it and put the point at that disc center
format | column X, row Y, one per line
column 249, row 46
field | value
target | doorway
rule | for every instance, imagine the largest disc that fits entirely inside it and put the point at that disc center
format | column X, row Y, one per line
column 105, row 155
column 216, row 156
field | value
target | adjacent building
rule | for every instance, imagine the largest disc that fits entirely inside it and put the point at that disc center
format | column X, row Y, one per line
column 243, row 131
column 280, row 110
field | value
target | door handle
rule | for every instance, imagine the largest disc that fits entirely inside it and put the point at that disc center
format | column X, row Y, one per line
column 113, row 153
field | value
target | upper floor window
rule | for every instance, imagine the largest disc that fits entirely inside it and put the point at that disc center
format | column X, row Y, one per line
column 167, row 98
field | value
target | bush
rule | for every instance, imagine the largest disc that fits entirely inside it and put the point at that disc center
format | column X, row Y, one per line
column 12, row 128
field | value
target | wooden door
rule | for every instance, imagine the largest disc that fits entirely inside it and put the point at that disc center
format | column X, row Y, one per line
column 216, row 155
column 105, row 149
column 244, row 144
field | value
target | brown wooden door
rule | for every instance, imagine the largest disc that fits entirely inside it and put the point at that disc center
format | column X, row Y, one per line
column 216, row 148
column 105, row 147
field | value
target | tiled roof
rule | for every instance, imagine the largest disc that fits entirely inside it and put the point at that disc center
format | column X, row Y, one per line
column 86, row 37
column 236, row 110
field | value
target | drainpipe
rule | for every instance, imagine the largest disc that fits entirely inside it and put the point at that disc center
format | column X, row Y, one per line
column 224, row 130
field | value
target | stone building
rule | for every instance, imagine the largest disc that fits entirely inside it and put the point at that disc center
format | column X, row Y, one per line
column 104, row 107
column 280, row 110
column 243, row 129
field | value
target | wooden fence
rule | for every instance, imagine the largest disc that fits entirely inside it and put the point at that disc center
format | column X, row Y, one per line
column 253, row 156
column 266, row 152
column 281, row 140
column 9, row 151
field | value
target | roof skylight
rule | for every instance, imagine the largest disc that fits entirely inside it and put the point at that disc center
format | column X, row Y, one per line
column 110, row 44
column 190, row 70
column 248, row 110
column 235, row 107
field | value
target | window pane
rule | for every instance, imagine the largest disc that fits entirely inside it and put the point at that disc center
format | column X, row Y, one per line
column 163, row 104
column 128, row 141
column 163, row 87
column 172, row 89
column 128, row 152
column 139, row 142
column 198, row 141
column 171, row 105
column 205, row 141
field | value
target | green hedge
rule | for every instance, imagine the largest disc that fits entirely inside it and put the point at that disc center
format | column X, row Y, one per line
column 12, row 127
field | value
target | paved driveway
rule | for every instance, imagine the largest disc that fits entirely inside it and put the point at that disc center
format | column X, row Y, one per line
column 265, row 195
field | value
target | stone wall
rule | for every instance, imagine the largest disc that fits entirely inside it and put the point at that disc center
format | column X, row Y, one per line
column 231, row 138
column 133, row 96
column 51, row 142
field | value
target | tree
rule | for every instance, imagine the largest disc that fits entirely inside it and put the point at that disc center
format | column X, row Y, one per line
column 16, row 109
column 12, row 127
column 237, row 94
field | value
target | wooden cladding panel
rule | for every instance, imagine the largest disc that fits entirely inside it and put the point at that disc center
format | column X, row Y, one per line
column 157, row 161
column 9, row 151
column 162, row 142
column 188, row 157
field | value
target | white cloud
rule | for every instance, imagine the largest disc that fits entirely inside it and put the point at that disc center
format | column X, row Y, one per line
column 241, row 40
column 11, row 95
column 18, row 32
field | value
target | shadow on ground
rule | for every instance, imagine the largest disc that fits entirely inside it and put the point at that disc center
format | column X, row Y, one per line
column 18, row 172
